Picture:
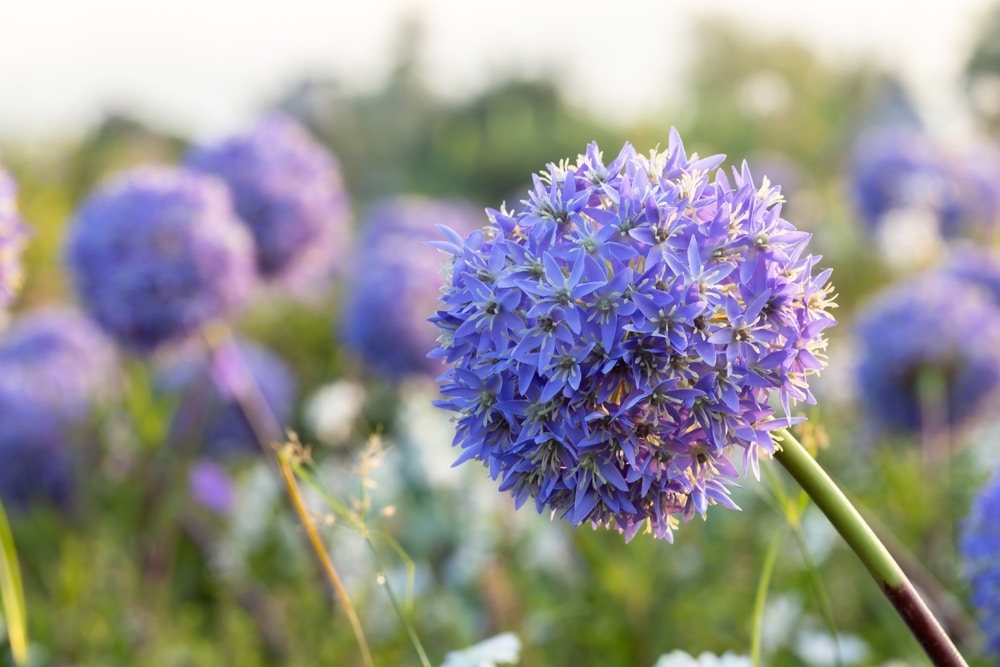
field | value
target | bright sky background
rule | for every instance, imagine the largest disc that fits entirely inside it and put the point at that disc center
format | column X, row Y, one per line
column 203, row 66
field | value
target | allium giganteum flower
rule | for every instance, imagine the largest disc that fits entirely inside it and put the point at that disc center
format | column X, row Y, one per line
column 13, row 235
column 157, row 253
column 979, row 544
column 897, row 169
column 620, row 338
column 929, row 354
column 288, row 189
column 901, row 168
column 61, row 359
column 395, row 284
column 976, row 265
column 36, row 463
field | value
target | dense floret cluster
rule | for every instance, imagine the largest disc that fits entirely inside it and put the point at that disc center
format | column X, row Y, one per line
column 394, row 286
column 13, row 236
column 59, row 358
column 979, row 544
column 617, row 341
column 929, row 354
column 288, row 189
column 158, row 253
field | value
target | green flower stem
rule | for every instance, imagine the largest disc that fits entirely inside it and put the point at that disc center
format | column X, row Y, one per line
column 873, row 554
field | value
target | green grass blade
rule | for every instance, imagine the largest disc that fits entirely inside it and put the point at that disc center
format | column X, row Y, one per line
column 12, row 594
column 761, row 598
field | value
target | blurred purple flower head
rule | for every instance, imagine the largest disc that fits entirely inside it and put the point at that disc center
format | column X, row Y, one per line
column 979, row 544
column 977, row 266
column 216, row 387
column 13, row 236
column 34, row 463
column 618, row 340
column 61, row 359
column 157, row 253
column 211, row 486
column 288, row 190
column 394, row 285
column 934, row 341
column 979, row 172
column 901, row 169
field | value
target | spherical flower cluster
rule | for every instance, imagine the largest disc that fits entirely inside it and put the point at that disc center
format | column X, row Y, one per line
column 395, row 282
column 980, row 177
column 36, row 465
column 217, row 389
column 60, row 359
column 979, row 544
column 895, row 170
column 288, row 189
column 620, row 338
column 934, row 341
column 13, row 235
column 157, row 253
column 977, row 266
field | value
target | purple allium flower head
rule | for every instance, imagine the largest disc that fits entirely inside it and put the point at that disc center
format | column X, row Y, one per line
column 157, row 253
column 215, row 390
column 617, row 340
column 976, row 265
column 13, row 235
column 61, row 359
column 288, row 189
column 896, row 169
column 979, row 172
column 395, row 284
column 979, row 544
column 936, row 331
column 34, row 463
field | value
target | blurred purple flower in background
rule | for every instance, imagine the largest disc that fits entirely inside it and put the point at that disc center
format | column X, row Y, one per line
column 36, row 467
column 288, row 189
column 157, row 253
column 211, row 486
column 979, row 171
column 929, row 355
column 620, row 338
column 61, row 359
column 895, row 170
column 395, row 283
column 977, row 266
column 902, row 168
column 979, row 543
column 13, row 236
column 216, row 387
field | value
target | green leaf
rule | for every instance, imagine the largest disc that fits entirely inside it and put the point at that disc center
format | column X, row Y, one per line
column 12, row 594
